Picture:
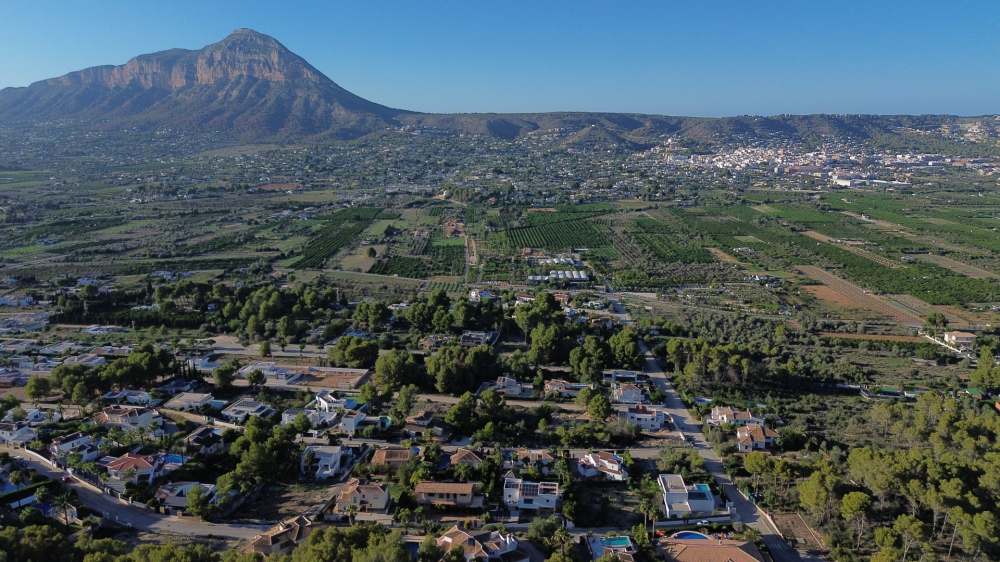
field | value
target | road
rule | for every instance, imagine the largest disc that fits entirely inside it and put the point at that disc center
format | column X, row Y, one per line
column 136, row 516
column 683, row 421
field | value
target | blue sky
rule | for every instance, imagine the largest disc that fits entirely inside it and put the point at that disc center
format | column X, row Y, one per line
column 702, row 58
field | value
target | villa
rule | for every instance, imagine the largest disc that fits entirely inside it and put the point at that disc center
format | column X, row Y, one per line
column 681, row 500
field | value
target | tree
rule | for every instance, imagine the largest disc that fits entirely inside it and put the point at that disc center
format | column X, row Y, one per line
column 17, row 479
column 429, row 551
column 81, row 394
column 302, row 424
column 625, row 349
column 853, row 508
column 198, row 504
column 256, row 378
column 37, row 388
column 492, row 404
column 371, row 252
column 18, row 414
column 265, row 348
column 353, row 352
column 462, row 415
column 391, row 369
column 935, row 322
column 599, row 408
column 405, row 401
column 757, row 464
column 911, row 531
column 224, row 375
column 352, row 510
column 369, row 394
column 583, row 397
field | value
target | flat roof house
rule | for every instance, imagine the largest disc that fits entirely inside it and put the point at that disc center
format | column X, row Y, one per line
column 326, row 461
column 682, row 501
column 188, row 401
column 532, row 496
column 244, row 408
column 649, row 419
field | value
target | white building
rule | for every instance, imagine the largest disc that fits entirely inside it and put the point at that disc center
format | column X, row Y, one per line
column 610, row 465
column 188, row 401
column 648, row 419
column 532, row 496
column 326, row 461
column 724, row 414
column 16, row 432
column 627, row 393
column 244, row 408
column 486, row 545
column 682, row 501
column 63, row 445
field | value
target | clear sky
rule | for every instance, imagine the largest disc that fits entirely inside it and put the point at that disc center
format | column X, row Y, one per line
column 698, row 57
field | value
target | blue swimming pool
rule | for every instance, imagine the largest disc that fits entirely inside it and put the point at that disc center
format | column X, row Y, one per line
column 173, row 459
column 6, row 486
column 703, row 487
column 617, row 541
column 690, row 535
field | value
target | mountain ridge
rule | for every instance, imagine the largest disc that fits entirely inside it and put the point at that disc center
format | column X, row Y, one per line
column 252, row 85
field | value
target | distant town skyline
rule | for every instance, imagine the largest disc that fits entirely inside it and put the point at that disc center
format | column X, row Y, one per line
column 695, row 58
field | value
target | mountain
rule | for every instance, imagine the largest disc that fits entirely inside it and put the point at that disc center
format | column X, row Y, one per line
column 248, row 83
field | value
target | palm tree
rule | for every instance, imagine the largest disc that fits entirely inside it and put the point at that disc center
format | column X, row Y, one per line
column 62, row 504
column 41, row 495
column 17, row 478
column 645, row 506
column 405, row 517
column 462, row 471
column 655, row 514
column 352, row 510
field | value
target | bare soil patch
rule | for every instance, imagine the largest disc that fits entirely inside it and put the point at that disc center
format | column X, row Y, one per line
column 958, row 267
column 879, row 337
column 855, row 294
column 792, row 526
column 722, row 256
column 817, row 236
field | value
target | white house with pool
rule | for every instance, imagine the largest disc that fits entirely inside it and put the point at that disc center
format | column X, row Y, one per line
column 682, row 501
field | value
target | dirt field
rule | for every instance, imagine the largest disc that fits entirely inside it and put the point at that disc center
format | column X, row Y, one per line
column 923, row 309
column 279, row 502
column 722, row 256
column 850, row 293
column 958, row 267
column 792, row 526
column 880, row 337
column 817, row 236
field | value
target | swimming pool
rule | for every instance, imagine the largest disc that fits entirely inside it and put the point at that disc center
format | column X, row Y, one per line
column 173, row 459
column 6, row 486
column 690, row 535
column 703, row 487
column 617, row 541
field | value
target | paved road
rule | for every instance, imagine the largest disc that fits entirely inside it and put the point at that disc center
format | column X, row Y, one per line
column 748, row 512
column 140, row 517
